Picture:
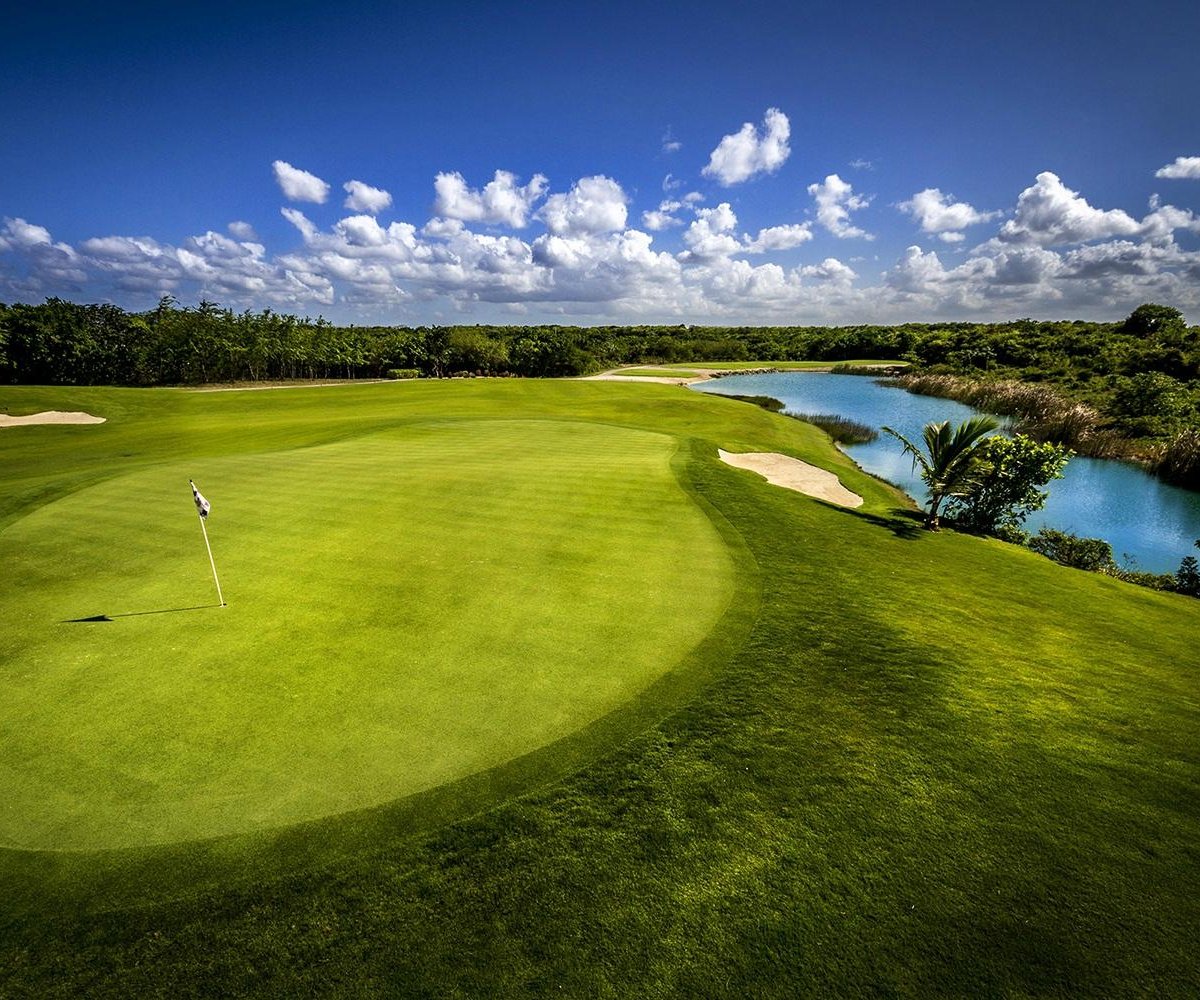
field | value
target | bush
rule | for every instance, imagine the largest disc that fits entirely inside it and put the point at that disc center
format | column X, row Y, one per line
column 1007, row 486
column 1154, row 581
column 1187, row 579
column 404, row 373
column 1093, row 554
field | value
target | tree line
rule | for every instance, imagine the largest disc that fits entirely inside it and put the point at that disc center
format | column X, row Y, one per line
column 1138, row 376
column 65, row 343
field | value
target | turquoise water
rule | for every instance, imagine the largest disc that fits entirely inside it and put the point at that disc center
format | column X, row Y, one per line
column 1150, row 525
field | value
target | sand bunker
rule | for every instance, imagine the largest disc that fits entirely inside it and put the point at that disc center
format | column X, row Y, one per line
column 792, row 474
column 49, row 417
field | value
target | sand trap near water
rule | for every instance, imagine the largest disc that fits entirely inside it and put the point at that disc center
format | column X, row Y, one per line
column 792, row 474
column 50, row 417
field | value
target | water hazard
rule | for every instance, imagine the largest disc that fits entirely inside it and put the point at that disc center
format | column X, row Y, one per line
column 1150, row 525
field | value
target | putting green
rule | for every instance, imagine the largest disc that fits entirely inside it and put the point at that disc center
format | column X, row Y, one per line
column 405, row 609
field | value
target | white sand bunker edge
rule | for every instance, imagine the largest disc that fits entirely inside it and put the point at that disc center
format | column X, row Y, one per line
column 792, row 474
column 50, row 417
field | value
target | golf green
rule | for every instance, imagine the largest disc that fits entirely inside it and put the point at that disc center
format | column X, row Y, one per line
column 404, row 608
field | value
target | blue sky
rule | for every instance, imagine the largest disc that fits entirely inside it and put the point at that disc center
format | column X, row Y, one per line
column 748, row 163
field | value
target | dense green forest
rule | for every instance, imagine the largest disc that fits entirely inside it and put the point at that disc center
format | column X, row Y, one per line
column 1125, row 389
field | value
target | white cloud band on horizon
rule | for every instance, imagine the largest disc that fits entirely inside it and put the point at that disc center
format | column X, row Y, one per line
column 588, row 263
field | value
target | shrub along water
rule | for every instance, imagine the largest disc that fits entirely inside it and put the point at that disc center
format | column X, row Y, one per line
column 1096, row 556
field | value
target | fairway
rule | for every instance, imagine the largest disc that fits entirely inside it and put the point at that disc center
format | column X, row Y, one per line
column 404, row 609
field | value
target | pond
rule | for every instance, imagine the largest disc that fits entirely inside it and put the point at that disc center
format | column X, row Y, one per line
column 1150, row 525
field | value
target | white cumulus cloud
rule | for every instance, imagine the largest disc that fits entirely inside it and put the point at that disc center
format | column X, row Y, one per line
column 300, row 221
column 502, row 201
column 663, row 217
column 593, row 205
column 1050, row 214
column 1184, row 168
column 835, row 200
column 364, row 198
column 830, row 269
column 242, row 230
column 299, row 185
column 939, row 214
column 19, row 234
column 747, row 152
column 778, row 238
column 711, row 234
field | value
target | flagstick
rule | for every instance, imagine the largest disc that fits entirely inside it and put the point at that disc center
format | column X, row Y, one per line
column 211, row 562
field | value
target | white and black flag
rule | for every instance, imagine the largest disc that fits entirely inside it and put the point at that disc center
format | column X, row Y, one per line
column 202, row 505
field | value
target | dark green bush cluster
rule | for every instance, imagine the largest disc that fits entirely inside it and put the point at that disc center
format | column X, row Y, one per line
column 1092, row 554
column 1187, row 579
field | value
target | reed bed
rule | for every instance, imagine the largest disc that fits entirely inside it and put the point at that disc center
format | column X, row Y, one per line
column 842, row 429
column 1038, row 411
column 1178, row 461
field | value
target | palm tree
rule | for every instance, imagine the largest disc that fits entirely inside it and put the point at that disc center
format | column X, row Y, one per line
column 948, row 462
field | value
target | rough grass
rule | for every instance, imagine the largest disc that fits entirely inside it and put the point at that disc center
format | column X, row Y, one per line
column 934, row 766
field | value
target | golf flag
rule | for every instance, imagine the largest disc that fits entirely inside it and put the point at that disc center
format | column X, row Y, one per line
column 202, row 505
column 202, row 508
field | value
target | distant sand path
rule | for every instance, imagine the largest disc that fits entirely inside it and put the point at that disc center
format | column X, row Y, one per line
column 792, row 474
column 49, row 417
column 666, row 379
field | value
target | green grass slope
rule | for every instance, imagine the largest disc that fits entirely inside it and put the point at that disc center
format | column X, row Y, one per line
column 921, row 765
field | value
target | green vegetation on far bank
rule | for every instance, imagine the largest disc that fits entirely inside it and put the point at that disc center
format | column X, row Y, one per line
column 906, row 764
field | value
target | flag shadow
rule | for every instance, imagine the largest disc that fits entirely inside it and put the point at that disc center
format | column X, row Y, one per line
column 138, row 614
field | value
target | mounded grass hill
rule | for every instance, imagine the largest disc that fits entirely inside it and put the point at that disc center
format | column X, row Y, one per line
column 521, row 692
